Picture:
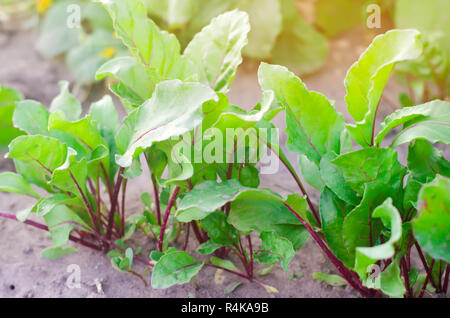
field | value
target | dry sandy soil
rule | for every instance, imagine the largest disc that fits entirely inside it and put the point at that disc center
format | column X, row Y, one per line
column 23, row 273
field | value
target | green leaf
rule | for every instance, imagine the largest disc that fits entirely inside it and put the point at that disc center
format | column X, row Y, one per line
column 206, row 198
column 57, row 252
column 366, row 79
column 310, row 172
column 334, row 180
column 313, row 125
column 425, row 161
column 15, row 183
column 266, row 23
column 390, row 282
column 61, row 221
column 66, row 103
column 157, row 50
column 47, row 204
column 44, row 153
column 174, row 109
column 216, row 50
column 175, row 268
column 431, row 227
column 8, row 102
column 32, row 117
column 369, row 165
column 261, row 211
column 275, row 248
column 360, row 228
column 136, row 82
column 330, row 279
column 219, row 231
column 430, row 121
column 333, row 212
column 208, row 247
column 299, row 46
column 55, row 37
column 366, row 256
column 223, row 263
column 72, row 175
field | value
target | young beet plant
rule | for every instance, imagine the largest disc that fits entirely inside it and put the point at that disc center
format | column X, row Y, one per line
column 72, row 161
column 372, row 210
column 168, row 94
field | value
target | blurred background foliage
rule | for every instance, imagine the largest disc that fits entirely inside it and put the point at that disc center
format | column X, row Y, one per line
column 293, row 33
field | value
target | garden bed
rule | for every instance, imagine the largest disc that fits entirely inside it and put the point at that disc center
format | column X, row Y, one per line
column 24, row 273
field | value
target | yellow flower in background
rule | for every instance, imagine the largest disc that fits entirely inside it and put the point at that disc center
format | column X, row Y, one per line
column 43, row 5
column 108, row 52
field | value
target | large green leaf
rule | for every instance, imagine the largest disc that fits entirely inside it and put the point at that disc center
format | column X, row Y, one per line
column 332, row 213
column 390, row 281
column 425, row 161
column 432, row 226
column 366, row 256
column 369, row 165
column 430, row 121
column 360, row 228
column 266, row 24
column 216, row 50
column 174, row 268
column 261, row 211
column 313, row 125
column 175, row 108
column 366, row 79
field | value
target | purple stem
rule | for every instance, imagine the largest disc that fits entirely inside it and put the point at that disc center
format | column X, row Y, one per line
column 166, row 218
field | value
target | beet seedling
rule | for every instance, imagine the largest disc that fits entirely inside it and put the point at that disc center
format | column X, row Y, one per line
column 372, row 209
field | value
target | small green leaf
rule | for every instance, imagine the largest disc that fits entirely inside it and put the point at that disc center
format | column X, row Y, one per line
column 274, row 249
column 174, row 268
column 223, row 263
column 66, row 103
column 208, row 247
column 57, row 252
column 231, row 287
column 219, row 231
column 15, row 183
column 330, row 279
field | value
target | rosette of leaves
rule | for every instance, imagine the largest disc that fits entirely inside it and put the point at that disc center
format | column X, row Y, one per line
column 168, row 95
column 372, row 209
column 72, row 160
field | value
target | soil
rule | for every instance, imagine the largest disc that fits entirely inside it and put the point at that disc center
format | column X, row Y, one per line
column 24, row 273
